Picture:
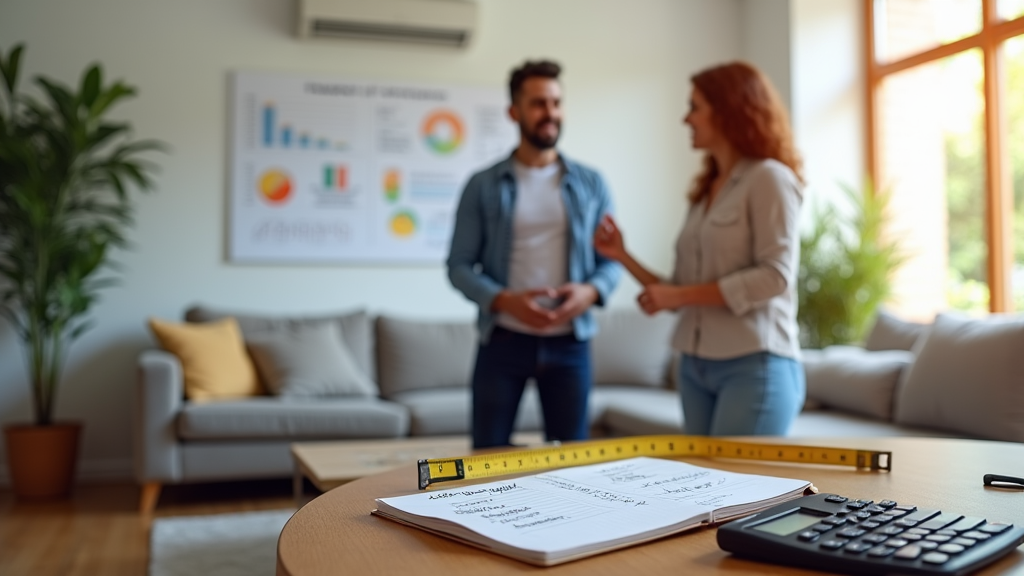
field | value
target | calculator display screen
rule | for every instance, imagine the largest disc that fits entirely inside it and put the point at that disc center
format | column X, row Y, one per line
column 788, row 524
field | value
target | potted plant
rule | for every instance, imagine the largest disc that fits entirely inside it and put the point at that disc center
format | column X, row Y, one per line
column 65, row 177
column 846, row 266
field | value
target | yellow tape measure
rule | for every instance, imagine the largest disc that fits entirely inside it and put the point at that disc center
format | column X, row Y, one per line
column 435, row 470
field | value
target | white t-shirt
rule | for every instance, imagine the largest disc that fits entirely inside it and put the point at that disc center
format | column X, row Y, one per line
column 540, row 235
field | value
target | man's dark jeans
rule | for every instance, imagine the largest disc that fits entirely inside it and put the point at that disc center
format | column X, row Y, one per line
column 559, row 364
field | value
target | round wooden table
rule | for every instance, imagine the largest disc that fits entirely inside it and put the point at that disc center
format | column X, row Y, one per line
column 335, row 533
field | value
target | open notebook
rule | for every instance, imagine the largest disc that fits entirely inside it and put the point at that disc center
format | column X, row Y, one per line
column 571, row 513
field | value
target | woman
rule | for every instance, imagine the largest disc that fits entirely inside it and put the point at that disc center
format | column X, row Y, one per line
column 736, row 261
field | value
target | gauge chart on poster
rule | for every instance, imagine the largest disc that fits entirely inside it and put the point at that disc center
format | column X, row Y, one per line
column 339, row 170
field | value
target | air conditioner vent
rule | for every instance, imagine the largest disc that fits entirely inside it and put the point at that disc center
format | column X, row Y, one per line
column 437, row 22
column 364, row 31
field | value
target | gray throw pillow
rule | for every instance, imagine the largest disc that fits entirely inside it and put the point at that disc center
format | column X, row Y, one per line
column 309, row 360
column 892, row 333
column 356, row 329
column 414, row 355
column 967, row 378
column 855, row 380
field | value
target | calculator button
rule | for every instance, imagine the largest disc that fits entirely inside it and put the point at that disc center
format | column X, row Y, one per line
column 941, row 521
column 869, row 525
column 882, row 518
column 834, row 520
column 881, row 551
column 896, row 542
column 875, row 538
column 938, row 538
column 951, row 548
column 832, row 544
column 968, row 523
column 821, row 527
column 965, row 542
column 835, row 498
column 912, row 537
column 920, row 531
column 926, row 545
column 922, row 515
column 935, row 558
column 905, row 508
column 862, row 515
column 908, row 552
column 808, row 536
column 890, row 530
column 894, row 513
column 857, row 504
column 995, row 528
column 946, row 532
column 850, row 533
column 905, row 523
column 874, row 509
column 856, row 547
column 887, row 504
column 975, row 535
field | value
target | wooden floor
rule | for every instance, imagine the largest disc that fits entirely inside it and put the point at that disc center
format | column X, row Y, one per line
column 98, row 531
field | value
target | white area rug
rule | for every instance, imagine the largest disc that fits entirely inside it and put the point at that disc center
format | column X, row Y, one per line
column 243, row 544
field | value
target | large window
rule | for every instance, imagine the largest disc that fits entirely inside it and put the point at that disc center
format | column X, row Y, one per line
column 947, row 140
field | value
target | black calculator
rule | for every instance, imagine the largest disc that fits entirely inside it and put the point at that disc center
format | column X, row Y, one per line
column 834, row 533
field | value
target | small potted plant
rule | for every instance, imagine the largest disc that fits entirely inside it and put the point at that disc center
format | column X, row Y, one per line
column 847, row 260
column 65, row 177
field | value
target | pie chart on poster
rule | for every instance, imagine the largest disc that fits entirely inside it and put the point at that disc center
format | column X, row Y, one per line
column 275, row 186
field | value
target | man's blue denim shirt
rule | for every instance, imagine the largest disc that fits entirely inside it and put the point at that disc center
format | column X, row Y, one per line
column 482, row 240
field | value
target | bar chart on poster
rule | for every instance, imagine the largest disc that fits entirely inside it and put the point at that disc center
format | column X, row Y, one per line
column 340, row 170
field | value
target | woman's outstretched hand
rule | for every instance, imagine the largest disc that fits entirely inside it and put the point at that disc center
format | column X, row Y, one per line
column 608, row 240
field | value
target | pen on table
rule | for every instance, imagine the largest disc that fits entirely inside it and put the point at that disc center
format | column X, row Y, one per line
column 1001, row 481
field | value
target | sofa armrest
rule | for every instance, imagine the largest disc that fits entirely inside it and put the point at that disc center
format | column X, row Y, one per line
column 159, row 393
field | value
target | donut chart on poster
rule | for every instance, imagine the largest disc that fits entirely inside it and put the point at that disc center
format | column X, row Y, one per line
column 340, row 170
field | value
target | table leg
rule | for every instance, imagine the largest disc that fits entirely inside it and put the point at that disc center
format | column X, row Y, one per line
column 297, row 485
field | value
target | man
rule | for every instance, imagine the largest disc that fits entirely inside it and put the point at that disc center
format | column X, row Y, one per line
column 522, row 250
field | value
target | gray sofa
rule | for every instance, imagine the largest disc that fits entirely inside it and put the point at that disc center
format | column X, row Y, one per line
column 421, row 372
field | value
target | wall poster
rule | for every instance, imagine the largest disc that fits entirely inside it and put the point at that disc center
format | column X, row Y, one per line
column 337, row 170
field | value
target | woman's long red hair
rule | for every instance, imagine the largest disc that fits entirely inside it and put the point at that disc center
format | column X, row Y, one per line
column 749, row 114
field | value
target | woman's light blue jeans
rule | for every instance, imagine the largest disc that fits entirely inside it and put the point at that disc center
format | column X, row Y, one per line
column 757, row 394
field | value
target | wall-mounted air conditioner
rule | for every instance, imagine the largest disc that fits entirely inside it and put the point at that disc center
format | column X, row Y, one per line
column 442, row 22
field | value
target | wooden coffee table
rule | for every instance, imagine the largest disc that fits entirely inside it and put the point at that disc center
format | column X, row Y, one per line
column 336, row 534
column 330, row 464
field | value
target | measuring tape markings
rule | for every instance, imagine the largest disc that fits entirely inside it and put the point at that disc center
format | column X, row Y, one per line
column 436, row 470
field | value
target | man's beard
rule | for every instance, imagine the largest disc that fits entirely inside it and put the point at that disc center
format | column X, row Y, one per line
column 538, row 141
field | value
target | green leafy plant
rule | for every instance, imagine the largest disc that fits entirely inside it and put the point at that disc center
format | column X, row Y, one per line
column 65, row 173
column 846, row 266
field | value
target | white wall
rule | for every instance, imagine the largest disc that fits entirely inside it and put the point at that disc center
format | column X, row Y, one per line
column 766, row 42
column 627, row 65
column 828, row 96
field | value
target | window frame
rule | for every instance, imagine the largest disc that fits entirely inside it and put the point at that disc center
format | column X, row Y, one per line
column 998, row 185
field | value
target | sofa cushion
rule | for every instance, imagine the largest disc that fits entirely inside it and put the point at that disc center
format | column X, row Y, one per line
column 892, row 333
column 212, row 356
column 309, row 360
column 839, row 424
column 854, row 379
column 416, row 355
column 967, row 378
column 285, row 418
column 448, row 411
column 356, row 329
column 632, row 348
column 631, row 411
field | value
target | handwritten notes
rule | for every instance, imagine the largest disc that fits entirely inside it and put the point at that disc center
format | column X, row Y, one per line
column 573, row 512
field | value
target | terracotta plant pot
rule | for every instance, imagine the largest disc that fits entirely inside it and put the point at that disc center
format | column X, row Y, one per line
column 42, row 459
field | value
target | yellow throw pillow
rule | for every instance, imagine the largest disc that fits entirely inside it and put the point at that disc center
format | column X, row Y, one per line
column 212, row 356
